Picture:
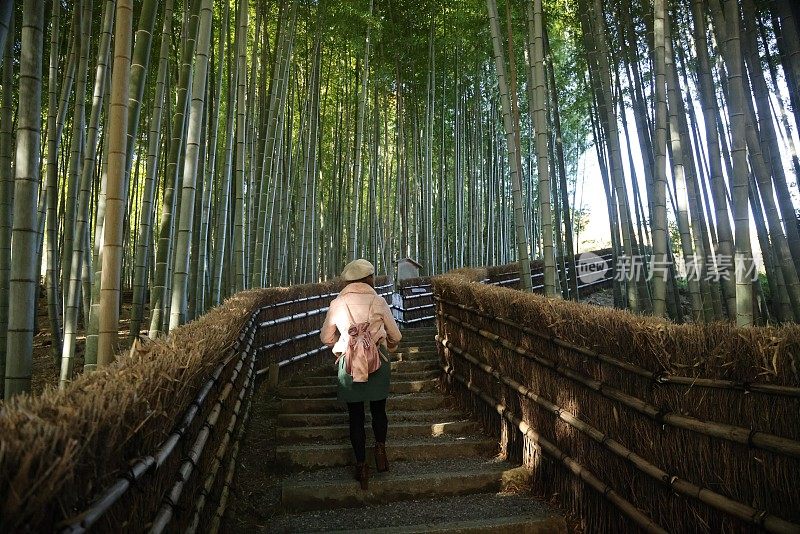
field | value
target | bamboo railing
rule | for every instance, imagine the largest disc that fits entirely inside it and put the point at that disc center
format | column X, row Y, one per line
column 182, row 481
column 241, row 355
column 413, row 303
column 668, row 427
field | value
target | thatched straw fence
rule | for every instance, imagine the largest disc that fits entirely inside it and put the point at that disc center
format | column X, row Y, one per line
column 413, row 303
column 508, row 275
column 633, row 422
column 150, row 442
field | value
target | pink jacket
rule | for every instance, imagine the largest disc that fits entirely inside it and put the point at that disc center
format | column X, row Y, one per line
column 359, row 297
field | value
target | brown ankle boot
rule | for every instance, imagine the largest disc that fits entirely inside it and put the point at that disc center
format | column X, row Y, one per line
column 362, row 474
column 381, row 462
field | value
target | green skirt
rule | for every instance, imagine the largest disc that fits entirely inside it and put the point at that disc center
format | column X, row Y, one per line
column 374, row 389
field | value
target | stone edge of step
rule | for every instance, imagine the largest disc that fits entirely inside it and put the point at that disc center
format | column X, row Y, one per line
column 396, row 415
column 505, row 473
column 454, row 425
column 527, row 524
column 447, row 439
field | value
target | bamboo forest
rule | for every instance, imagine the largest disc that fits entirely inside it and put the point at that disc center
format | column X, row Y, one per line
column 545, row 189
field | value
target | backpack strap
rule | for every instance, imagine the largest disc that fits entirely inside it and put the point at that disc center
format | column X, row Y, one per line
column 380, row 352
column 352, row 321
column 369, row 312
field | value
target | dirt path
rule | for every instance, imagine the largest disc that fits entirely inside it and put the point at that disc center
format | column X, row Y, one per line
column 256, row 488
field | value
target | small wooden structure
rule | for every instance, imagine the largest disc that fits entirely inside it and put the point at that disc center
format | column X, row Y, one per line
column 407, row 268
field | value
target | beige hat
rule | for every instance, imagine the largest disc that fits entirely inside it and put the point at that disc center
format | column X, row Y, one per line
column 357, row 269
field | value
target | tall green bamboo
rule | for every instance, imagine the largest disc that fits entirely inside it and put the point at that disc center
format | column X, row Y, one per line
column 51, row 184
column 143, row 250
column 206, row 259
column 269, row 164
column 562, row 171
column 24, row 270
column 241, row 104
column 6, row 187
column 223, row 202
column 638, row 299
column 6, row 23
column 675, row 106
column 536, row 52
column 740, row 190
column 159, row 294
column 352, row 250
column 192, row 166
column 117, row 187
column 724, row 245
column 75, row 271
column 513, row 150
column 659, row 222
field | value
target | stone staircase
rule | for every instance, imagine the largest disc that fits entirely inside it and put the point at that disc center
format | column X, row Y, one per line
column 444, row 476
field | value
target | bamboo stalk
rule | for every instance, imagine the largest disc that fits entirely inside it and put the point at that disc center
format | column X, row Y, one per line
column 736, row 434
column 746, row 513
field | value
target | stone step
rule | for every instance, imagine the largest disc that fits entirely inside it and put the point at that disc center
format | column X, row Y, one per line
column 397, row 376
column 311, row 456
column 397, row 431
column 419, row 332
column 473, row 513
column 336, row 488
column 404, row 366
column 418, row 347
column 520, row 524
column 416, row 355
column 418, row 336
column 419, row 342
column 341, row 418
column 331, row 404
column 329, row 390
column 427, row 342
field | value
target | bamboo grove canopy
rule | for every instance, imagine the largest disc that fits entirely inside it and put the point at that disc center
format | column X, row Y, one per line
column 158, row 156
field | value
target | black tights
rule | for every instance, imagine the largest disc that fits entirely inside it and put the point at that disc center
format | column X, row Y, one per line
column 380, row 425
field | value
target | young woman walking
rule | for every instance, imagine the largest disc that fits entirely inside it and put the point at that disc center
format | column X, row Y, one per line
column 358, row 303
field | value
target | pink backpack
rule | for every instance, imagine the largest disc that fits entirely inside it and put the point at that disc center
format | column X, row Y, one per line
column 362, row 356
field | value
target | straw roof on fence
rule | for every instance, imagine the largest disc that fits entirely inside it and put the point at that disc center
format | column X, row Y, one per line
column 764, row 480
column 58, row 450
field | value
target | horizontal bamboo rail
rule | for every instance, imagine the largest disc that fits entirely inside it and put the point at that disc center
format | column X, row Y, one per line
column 418, row 295
column 187, row 468
column 245, row 395
column 303, row 356
column 550, row 449
column 748, row 514
column 288, row 340
column 415, row 308
column 428, row 294
column 658, row 377
column 406, row 322
column 148, row 464
column 732, row 433
column 539, row 273
column 299, row 337
column 315, row 297
column 206, row 427
column 219, row 513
